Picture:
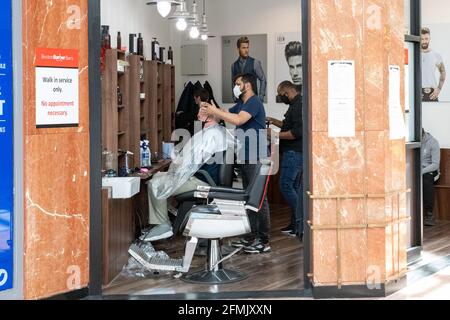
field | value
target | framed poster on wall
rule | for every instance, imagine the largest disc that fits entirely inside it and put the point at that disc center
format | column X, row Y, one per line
column 6, row 148
column 257, row 51
column 435, row 63
column 288, row 57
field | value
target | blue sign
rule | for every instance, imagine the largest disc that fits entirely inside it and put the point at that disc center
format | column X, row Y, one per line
column 6, row 148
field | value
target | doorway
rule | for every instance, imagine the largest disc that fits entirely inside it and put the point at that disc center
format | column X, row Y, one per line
column 280, row 273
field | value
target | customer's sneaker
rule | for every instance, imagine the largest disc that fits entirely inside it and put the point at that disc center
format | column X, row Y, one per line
column 160, row 232
column 288, row 229
column 257, row 247
column 241, row 243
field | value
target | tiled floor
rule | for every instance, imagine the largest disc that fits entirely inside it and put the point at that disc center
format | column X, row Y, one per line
column 434, row 287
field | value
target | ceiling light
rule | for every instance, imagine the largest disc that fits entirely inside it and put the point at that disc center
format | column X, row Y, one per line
column 181, row 24
column 204, row 37
column 195, row 20
column 181, row 12
column 164, row 6
column 194, row 33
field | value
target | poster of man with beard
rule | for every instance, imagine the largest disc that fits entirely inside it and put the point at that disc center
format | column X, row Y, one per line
column 433, row 69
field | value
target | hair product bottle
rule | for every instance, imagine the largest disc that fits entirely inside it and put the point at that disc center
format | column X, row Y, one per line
column 155, row 49
column 132, row 36
column 161, row 54
column 140, row 45
column 170, row 56
column 119, row 41
column 106, row 38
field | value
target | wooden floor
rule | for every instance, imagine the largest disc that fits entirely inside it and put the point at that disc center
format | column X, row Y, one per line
column 436, row 244
column 280, row 270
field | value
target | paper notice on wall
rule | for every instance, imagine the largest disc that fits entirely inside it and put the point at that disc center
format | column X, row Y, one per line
column 57, row 88
column 407, row 91
column 341, row 99
column 397, row 127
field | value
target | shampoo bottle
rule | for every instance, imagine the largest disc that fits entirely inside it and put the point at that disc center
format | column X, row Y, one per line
column 140, row 45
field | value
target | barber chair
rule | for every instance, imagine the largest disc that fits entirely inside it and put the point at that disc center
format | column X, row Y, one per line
column 224, row 217
column 187, row 200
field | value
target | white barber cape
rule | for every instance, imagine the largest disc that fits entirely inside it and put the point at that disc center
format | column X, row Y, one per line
column 200, row 149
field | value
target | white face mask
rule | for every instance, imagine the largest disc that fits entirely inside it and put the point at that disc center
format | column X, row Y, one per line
column 237, row 92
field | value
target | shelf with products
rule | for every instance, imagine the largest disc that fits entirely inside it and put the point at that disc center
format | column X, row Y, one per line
column 115, row 120
column 137, row 103
column 136, row 111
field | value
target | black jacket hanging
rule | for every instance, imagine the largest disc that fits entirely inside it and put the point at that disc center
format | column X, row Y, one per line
column 187, row 110
column 208, row 88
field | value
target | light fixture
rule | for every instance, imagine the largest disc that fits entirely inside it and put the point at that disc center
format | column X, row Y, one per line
column 195, row 23
column 181, row 24
column 182, row 16
column 204, row 32
column 164, row 6
column 194, row 33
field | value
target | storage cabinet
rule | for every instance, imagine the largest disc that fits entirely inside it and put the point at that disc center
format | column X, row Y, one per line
column 442, row 202
column 147, row 107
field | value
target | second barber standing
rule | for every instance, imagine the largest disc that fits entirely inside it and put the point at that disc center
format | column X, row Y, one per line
column 291, row 146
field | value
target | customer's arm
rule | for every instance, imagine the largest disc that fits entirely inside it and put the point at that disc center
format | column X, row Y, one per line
column 435, row 158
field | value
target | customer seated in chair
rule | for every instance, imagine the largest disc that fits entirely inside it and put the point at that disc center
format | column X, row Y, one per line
column 202, row 152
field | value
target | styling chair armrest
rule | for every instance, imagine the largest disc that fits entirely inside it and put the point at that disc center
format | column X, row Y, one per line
column 207, row 176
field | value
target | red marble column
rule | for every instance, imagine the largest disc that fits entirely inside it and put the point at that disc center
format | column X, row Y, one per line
column 358, row 184
column 56, row 161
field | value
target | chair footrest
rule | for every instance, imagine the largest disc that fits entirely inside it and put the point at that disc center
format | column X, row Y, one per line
column 155, row 263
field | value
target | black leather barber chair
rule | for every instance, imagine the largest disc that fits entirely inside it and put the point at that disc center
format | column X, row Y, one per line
column 224, row 217
column 187, row 200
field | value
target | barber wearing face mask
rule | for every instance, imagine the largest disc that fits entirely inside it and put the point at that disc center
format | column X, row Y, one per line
column 249, row 116
column 291, row 147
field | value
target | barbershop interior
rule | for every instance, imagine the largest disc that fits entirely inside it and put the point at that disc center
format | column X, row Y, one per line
column 251, row 149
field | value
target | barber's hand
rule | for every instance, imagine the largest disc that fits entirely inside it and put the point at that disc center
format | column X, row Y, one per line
column 203, row 111
column 435, row 94
column 208, row 109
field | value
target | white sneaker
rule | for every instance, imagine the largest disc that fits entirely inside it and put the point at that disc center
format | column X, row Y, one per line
column 160, row 232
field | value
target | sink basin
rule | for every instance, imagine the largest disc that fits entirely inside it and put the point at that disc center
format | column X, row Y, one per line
column 122, row 188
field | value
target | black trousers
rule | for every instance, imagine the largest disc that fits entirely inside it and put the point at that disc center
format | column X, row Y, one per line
column 259, row 221
column 428, row 194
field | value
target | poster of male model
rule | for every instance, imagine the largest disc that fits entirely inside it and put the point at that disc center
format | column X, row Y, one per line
column 6, row 148
column 435, row 62
column 289, row 59
column 252, row 54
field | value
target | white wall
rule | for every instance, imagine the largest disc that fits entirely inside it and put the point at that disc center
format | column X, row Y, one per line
column 134, row 16
column 436, row 116
column 241, row 17
column 230, row 17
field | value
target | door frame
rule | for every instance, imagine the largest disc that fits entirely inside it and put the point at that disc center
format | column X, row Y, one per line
column 95, row 260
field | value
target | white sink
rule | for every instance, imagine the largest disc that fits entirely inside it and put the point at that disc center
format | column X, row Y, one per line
column 123, row 188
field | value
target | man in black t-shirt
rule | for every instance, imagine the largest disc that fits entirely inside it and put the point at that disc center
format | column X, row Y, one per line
column 291, row 147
